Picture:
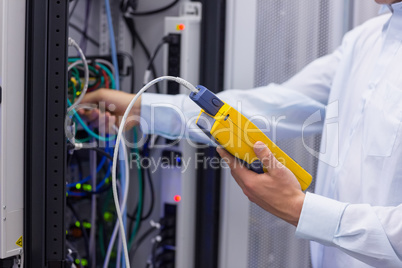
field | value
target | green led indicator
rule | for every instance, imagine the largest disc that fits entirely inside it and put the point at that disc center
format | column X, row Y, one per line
column 107, row 181
column 78, row 186
column 77, row 261
column 77, row 224
column 87, row 225
column 107, row 216
column 87, row 187
column 84, row 262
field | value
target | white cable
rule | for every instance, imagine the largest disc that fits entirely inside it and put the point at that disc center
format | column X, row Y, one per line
column 123, row 205
column 71, row 42
column 79, row 146
column 116, row 150
column 108, row 64
column 74, row 64
column 123, row 154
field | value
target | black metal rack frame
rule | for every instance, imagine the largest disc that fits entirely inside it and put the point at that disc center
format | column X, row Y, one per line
column 45, row 110
column 208, row 180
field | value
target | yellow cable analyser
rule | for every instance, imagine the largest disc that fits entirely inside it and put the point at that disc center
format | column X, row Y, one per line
column 237, row 134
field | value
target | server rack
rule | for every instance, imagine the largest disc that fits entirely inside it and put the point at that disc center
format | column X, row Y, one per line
column 45, row 147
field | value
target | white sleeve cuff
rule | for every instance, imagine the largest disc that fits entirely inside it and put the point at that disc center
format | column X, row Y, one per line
column 171, row 116
column 319, row 219
column 162, row 114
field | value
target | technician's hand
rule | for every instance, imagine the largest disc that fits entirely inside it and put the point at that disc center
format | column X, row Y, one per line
column 276, row 191
column 112, row 104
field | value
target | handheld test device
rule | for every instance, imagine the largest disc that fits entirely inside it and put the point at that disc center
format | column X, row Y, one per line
column 234, row 132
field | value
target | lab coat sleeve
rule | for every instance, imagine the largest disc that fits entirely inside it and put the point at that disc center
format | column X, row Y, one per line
column 370, row 234
column 280, row 111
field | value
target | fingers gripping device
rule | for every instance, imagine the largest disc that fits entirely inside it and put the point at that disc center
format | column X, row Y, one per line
column 234, row 132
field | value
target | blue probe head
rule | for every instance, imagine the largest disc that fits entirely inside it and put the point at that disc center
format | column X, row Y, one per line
column 207, row 100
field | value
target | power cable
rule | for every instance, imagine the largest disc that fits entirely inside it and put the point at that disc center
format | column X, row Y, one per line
column 141, row 239
column 136, row 37
column 152, row 12
column 72, row 9
column 152, row 204
column 131, row 59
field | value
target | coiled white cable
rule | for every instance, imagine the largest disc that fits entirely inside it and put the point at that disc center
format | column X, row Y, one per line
column 71, row 42
column 179, row 80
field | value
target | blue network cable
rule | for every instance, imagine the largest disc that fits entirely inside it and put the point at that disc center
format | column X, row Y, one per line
column 98, row 186
column 117, row 82
column 107, row 175
column 109, row 169
column 98, row 169
column 112, row 44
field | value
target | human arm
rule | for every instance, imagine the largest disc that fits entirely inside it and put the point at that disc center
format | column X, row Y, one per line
column 278, row 110
column 111, row 105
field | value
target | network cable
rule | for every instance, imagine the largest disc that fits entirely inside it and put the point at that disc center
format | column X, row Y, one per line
column 112, row 43
column 140, row 197
column 114, row 78
column 117, row 81
column 71, row 42
column 116, row 150
column 99, row 62
column 98, row 169
column 118, row 211
column 124, row 186
column 87, row 129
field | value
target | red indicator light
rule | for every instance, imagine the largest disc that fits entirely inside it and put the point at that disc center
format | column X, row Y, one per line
column 177, row 198
column 180, row 27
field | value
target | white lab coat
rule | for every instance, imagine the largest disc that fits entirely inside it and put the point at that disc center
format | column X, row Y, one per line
column 356, row 212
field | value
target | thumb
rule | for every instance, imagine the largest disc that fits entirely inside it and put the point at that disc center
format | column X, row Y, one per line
column 266, row 157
